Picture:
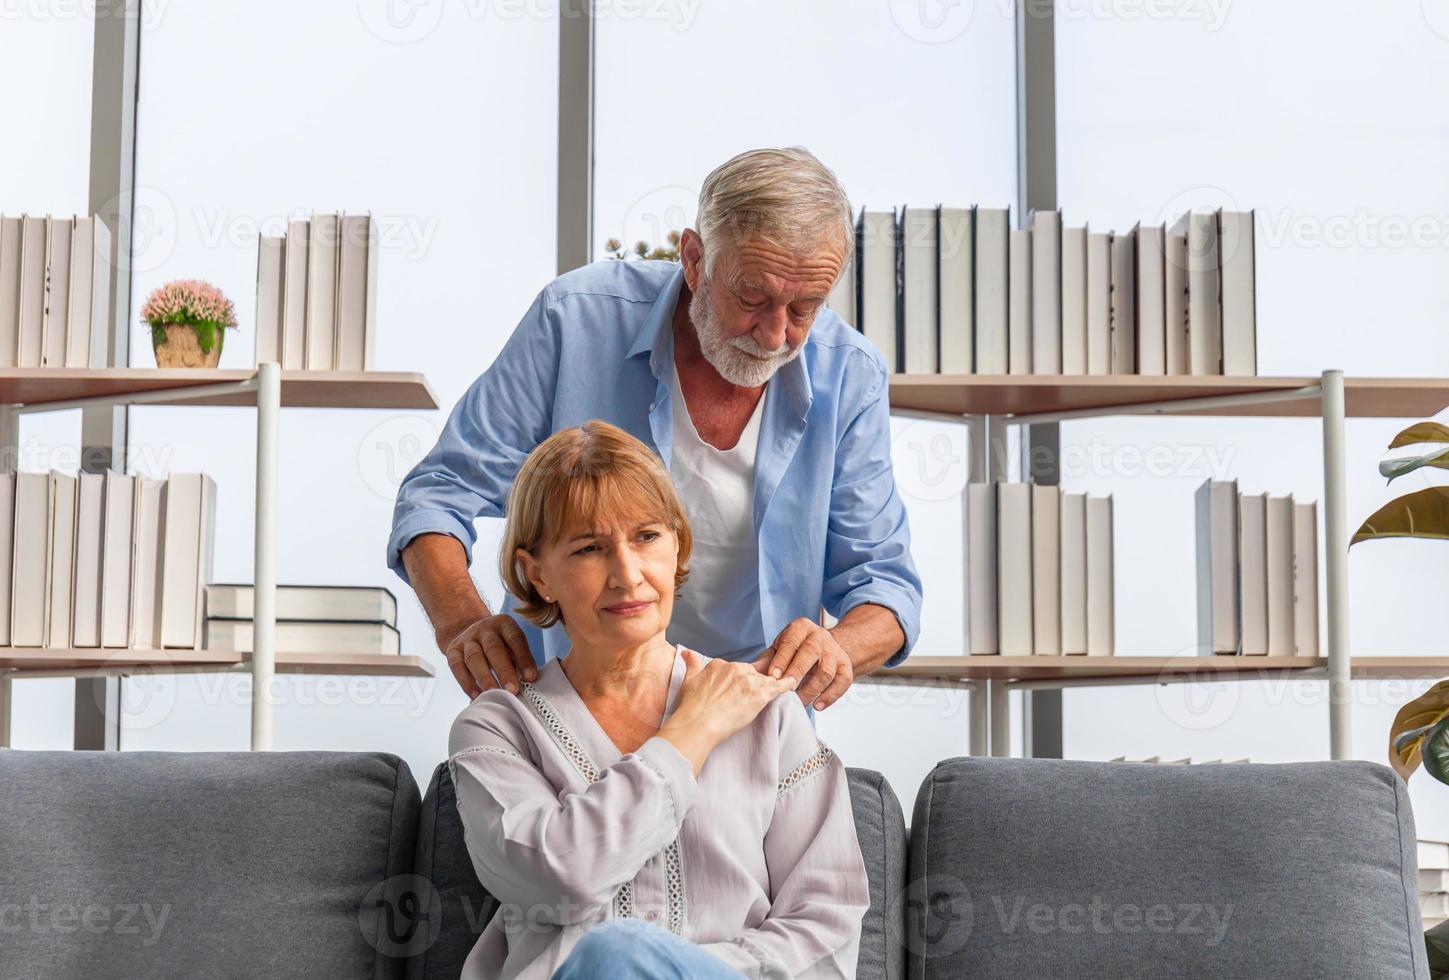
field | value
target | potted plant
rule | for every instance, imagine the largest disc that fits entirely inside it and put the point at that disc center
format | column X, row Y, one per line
column 188, row 319
column 643, row 250
column 1420, row 732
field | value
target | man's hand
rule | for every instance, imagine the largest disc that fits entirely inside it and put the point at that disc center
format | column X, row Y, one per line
column 810, row 653
column 489, row 652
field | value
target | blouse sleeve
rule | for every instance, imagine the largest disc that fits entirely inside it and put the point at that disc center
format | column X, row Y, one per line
column 818, row 888
column 559, row 856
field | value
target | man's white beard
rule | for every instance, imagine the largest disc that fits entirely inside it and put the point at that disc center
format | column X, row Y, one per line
column 739, row 360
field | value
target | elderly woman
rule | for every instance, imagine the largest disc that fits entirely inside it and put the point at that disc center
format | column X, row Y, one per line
column 642, row 810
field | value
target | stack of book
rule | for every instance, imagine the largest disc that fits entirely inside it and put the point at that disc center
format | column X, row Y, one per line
column 317, row 294
column 339, row 619
column 55, row 291
column 1039, row 575
column 960, row 291
column 1433, row 881
column 104, row 559
column 1257, row 573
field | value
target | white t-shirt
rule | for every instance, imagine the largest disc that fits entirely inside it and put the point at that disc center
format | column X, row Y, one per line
column 719, row 606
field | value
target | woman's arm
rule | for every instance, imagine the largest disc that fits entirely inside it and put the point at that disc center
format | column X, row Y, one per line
column 819, row 891
column 559, row 857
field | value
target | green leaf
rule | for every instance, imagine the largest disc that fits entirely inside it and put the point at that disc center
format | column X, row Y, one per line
column 1422, row 514
column 1394, row 468
column 205, row 336
column 1435, row 750
column 158, row 334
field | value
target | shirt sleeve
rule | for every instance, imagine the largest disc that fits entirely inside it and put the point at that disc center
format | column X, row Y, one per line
column 819, row 892
column 868, row 540
column 502, row 416
column 560, row 856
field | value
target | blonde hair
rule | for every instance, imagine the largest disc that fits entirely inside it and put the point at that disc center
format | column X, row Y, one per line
column 784, row 195
column 572, row 479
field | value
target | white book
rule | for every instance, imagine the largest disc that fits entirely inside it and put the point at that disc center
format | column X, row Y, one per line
column 1013, row 572
column 7, row 549
column 1204, row 310
column 1046, row 569
column 1216, row 504
column 356, row 292
column 60, row 568
column 294, row 295
column 1101, row 599
column 325, row 603
column 955, row 246
column 30, row 559
column 186, row 561
column 1279, row 548
column 56, row 320
column 271, row 272
column 340, row 638
column 991, row 289
column 1239, row 287
column 1074, row 300
column 1074, row 573
column 85, row 628
column 1253, row 578
column 1099, row 303
column 1433, row 855
column 919, row 260
column 1046, row 292
column 980, row 524
column 1018, row 311
column 116, row 545
column 1305, row 579
column 147, row 549
column 878, row 283
column 1124, row 303
column 87, row 342
column 842, row 294
column 1174, row 303
column 1151, row 300
column 322, row 255
column 10, row 237
column 31, row 331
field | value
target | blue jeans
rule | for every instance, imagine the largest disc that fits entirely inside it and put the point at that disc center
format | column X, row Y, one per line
column 632, row 949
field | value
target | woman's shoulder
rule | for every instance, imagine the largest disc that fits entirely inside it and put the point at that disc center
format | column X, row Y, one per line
column 495, row 716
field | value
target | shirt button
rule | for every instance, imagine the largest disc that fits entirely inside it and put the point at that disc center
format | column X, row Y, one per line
column 652, row 916
column 651, row 406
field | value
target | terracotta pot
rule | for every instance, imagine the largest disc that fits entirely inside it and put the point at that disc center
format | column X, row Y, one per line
column 182, row 349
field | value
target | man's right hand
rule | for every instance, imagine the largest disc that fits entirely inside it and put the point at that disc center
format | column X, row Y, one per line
column 489, row 652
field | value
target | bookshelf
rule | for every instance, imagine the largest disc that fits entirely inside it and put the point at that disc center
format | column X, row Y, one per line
column 268, row 389
column 1025, row 399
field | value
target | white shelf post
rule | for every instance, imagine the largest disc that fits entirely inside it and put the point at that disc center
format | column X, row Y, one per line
column 264, row 610
column 1335, row 533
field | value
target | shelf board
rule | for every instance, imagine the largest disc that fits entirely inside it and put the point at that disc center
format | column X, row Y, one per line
column 79, row 660
column 998, row 394
column 300, row 389
column 982, row 667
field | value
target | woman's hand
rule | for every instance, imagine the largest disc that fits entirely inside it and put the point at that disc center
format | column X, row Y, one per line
column 716, row 699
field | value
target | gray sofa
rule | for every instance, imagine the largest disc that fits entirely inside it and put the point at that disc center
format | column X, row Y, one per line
column 322, row 865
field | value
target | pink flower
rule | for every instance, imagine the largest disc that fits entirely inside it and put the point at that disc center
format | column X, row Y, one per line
column 192, row 301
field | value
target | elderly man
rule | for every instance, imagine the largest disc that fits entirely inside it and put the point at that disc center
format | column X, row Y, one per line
column 768, row 410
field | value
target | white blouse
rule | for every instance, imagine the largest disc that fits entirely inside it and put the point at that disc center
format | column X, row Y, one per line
column 756, row 860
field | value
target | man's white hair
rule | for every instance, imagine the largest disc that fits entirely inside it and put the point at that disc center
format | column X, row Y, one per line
column 784, row 195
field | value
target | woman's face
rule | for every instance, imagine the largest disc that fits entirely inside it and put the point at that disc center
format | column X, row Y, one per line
column 615, row 585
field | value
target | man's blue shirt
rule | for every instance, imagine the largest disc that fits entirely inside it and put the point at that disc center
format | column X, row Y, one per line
column 598, row 342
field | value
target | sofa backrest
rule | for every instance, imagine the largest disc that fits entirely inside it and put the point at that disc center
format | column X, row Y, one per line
column 457, row 906
column 204, row 864
column 1049, row 868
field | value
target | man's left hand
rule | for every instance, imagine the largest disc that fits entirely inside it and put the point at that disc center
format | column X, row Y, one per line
column 810, row 653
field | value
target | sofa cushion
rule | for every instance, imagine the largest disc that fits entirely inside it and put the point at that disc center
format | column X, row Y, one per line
column 463, row 907
column 1051, row 868
column 206, row 864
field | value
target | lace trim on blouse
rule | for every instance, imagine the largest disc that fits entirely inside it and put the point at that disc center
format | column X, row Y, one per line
column 816, row 763
column 564, row 737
